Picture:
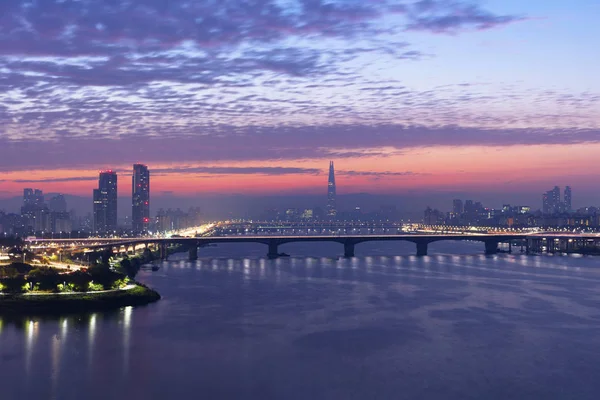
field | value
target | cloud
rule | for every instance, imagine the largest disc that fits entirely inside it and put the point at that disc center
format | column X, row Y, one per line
column 443, row 16
column 237, row 170
column 259, row 144
column 379, row 174
column 48, row 180
column 96, row 42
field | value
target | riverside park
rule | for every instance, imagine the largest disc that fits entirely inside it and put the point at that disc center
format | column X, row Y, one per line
column 33, row 284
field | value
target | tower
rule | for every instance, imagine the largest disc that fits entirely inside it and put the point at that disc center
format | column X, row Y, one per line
column 140, row 199
column 331, row 206
column 105, row 203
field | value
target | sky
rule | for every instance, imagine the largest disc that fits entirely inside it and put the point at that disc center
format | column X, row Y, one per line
column 256, row 96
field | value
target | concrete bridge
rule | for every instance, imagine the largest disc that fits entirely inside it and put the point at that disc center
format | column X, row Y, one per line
column 490, row 241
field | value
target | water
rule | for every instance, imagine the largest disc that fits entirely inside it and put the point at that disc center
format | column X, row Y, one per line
column 454, row 325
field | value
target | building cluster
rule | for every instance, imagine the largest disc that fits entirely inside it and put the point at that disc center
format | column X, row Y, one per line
column 473, row 213
column 552, row 203
column 555, row 212
column 171, row 220
column 37, row 215
column 105, row 202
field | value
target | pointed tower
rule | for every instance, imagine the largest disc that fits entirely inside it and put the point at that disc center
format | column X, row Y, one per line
column 331, row 208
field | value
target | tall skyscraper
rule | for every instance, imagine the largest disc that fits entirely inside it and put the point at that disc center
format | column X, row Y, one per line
column 568, row 204
column 140, row 198
column 105, row 203
column 331, row 204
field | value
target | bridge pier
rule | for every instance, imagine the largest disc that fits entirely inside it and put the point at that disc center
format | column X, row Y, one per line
column 273, row 249
column 422, row 248
column 349, row 249
column 193, row 252
column 162, row 251
column 491, row 247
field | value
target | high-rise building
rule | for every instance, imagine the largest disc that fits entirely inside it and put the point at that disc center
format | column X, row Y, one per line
column 33, row 198
column 33, row 207
column 105, row 203
column 58, row 204
column 457, row 207
column 331, row 193
column 551, row 203
column 568, row 204
column 140, row 198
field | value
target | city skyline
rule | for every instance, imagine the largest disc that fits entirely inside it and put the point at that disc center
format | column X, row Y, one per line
column 407, row 96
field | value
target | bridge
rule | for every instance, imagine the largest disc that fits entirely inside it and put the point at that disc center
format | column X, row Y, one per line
column 490, row 241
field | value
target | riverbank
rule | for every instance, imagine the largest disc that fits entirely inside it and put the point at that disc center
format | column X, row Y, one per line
column 61, row 303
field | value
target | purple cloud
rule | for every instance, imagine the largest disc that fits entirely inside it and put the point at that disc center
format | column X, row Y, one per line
column 444, row 16
column 262, row 144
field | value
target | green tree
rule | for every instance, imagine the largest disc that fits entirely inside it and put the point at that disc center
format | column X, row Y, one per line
column 46, row 278
column 103, row 275
column 13, row 285
column 80, row 280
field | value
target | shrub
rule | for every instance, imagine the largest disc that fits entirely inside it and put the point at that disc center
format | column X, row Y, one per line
column 95, row 287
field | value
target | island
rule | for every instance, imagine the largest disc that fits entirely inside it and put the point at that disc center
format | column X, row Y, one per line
column 25, row 289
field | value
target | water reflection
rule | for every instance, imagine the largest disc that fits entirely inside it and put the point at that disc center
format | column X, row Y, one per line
column 56, row 345
column 31, row 332
column 127, row 313
column 91, row 338
column 324, row 327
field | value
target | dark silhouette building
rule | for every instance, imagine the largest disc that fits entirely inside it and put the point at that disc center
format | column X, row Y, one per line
column 105, row 203
column 551, row 203
column 33, row 198
column 58, row 203
column 34, row 211
column 568, row 199
column 140, row 199
column 457, row 207
column 331, row 193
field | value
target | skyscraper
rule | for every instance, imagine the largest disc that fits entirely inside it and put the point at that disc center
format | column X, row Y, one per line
column 105, row 203
column 331, row 206
column 140, row 198
column 568, row 205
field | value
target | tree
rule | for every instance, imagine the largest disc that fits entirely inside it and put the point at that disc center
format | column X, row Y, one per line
column 104, row 276
column 8, row 271
column 14, row 269
column 46, row 278
column 105, row 257
column 80, row 280
column 13, row 285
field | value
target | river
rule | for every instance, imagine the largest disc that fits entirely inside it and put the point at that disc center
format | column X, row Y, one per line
column 383, row 325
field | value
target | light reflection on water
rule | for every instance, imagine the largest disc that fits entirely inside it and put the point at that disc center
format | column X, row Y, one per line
column 450, row 326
